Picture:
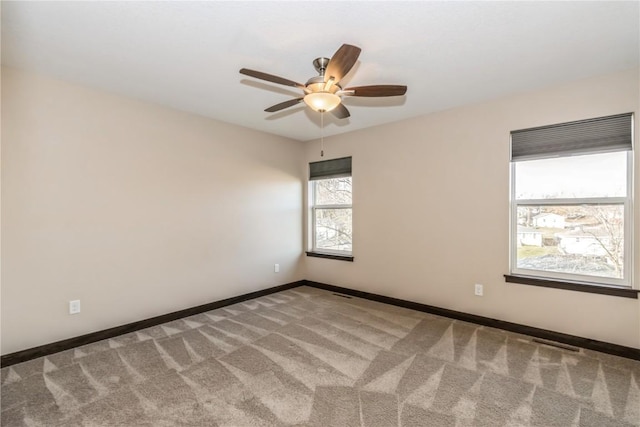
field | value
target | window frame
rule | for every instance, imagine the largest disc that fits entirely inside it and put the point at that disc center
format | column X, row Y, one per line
column 626, row 282
column 315, row 207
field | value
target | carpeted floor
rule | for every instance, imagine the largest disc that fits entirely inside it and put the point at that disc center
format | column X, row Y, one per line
column 307, row 357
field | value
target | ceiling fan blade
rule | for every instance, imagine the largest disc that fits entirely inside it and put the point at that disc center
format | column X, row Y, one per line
column 376, row 90
column 283, row 105
column 270, row 78
column 341, row 111
column 341, row 62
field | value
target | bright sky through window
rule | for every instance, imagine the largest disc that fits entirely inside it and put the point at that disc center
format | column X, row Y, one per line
column 599, row 175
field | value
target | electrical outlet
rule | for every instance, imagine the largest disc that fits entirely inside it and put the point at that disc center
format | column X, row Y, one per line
column 74, row 306
column 276, row 268
column 479, row 290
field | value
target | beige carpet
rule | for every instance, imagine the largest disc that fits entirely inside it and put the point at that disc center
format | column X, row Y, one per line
column 307, row 357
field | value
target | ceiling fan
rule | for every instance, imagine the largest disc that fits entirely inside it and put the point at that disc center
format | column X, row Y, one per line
column 323, row 93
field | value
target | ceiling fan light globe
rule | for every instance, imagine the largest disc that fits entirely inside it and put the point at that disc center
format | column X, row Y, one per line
column 322, row 101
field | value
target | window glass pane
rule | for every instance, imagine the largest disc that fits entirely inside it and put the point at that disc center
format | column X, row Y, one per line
column 333, row 229
column 585, row 240
column 334, row 191
column 593, row 175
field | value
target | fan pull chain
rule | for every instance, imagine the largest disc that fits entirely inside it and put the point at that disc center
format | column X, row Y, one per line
column 322, row 134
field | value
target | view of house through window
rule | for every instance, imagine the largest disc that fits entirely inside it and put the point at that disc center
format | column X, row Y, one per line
column 332, row 211
column 570, row 217
column 583, row 239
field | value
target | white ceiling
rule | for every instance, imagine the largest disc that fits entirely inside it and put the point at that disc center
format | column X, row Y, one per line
column 187, row 55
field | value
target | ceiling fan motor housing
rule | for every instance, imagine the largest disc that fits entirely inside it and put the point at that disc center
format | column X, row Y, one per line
column 317, row 84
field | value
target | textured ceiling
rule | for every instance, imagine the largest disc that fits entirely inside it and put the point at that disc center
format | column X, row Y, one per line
column 186, row 55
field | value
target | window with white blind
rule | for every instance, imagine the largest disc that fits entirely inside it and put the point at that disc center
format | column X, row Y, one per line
column 571, row 194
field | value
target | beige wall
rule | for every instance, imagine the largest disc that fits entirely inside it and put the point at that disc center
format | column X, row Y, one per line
column 139, row 210
column 431, row 211
column 134, row 209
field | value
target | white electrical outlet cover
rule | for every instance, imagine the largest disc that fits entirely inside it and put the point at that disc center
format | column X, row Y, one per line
column 74, row 306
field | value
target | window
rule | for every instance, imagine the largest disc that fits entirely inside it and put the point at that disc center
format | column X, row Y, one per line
column 330, row 192
column 571, row 183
